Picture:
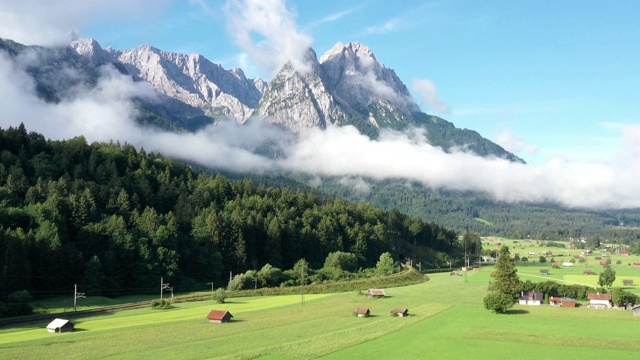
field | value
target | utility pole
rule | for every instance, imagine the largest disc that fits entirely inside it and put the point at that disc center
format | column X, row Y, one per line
column 466, row 266
column 164, row 286
column 302, row 287
column 76, row 295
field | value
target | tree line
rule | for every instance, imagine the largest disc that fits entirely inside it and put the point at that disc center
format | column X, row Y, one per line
column 114, row 219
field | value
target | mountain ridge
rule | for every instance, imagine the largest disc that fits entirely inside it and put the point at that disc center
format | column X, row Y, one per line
column 347, row 87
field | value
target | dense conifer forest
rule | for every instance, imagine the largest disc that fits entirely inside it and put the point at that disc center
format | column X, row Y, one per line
column 114, row 219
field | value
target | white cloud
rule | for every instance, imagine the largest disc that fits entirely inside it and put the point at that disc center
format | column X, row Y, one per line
column 46, row 22
column 356, row 183
column 514, row 143
column 334, row 17
column 388, row 26
column 428, row 93
column 267, row 32
column 106, row 112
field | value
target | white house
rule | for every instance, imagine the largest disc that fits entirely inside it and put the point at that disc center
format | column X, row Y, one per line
column 531, row 298
column 567, row 263
column 597, row 300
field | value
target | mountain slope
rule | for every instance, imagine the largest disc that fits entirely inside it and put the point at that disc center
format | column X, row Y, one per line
column 194, row 80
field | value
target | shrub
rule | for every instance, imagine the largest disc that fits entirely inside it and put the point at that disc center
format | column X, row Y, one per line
column 220, row 296
column 160, row 304
column 497, row 302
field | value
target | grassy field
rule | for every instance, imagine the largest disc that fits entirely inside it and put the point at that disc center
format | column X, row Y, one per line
column 447, row 321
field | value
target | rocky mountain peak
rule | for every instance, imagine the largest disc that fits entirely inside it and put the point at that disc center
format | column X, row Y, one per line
column 196, row 81
column 358, row 78
column 91, row 50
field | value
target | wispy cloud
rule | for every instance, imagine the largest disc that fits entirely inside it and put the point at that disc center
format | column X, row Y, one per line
column 54, row 22
column 333, row 17
column 387, row 26
column 428, row 94
column 515, row 144
column 266, row 30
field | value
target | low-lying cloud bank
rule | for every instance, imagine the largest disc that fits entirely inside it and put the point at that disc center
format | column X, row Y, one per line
column 106, row 112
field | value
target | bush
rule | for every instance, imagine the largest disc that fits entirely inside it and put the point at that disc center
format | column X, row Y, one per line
column 160, row 304
column 497, row 302
column 220, row 296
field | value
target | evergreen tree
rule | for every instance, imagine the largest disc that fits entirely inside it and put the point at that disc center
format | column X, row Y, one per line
column 505, row 276
column 503, row 292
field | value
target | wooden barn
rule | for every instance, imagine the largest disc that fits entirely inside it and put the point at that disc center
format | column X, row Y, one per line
column 568, row 302
column 219, row 316
column 60, row 325
column 375, row 293
column 400, row 312
column 361, row 312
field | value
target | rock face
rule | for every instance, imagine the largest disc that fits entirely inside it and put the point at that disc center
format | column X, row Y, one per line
column 298, row 100
column 357, row 78
column 194, row 80
column 347, row 86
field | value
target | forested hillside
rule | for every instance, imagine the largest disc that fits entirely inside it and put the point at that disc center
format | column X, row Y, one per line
column 115, row 219
column 478, row 214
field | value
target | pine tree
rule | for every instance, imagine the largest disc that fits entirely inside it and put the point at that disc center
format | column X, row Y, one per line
column 505, row 276
column 503, row 292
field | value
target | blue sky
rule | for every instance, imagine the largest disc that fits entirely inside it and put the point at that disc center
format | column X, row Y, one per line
column 556, row 82
column 543, row 78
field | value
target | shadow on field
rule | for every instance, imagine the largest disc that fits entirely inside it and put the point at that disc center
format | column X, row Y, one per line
column 516, row 312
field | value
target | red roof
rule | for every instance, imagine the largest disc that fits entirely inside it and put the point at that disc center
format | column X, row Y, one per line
column 399, row 311
column 361, row 311
column 218, row 314
column 598, row 296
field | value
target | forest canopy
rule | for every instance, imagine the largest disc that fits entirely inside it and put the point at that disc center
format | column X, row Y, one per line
column 114, row 219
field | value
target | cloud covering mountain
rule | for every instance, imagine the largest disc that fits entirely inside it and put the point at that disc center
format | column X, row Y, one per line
column 107, row 112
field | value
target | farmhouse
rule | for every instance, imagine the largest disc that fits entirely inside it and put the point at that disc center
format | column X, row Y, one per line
column 219, row 316
column 624, row 252
column 375, row 293
column 627, row 282
column 603, row 263
column 60, row 325
column 598, row 301
column 567, row 263
column 568, row 302
column 544, row 272
column 636, row 310
column 531, row 298
column 400, row 312
column 554, row 300
column 361, row 312
column 587, row 272
column 636, row 265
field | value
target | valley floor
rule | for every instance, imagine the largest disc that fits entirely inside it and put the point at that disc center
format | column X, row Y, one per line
column 447, row 321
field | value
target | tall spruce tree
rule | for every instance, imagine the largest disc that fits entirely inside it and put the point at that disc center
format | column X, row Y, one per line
column 503, row 292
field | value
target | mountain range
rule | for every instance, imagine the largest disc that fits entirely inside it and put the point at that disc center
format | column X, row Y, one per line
column 346, row 86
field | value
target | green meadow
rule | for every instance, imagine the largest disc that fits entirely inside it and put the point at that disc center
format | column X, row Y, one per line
column 447, row 321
